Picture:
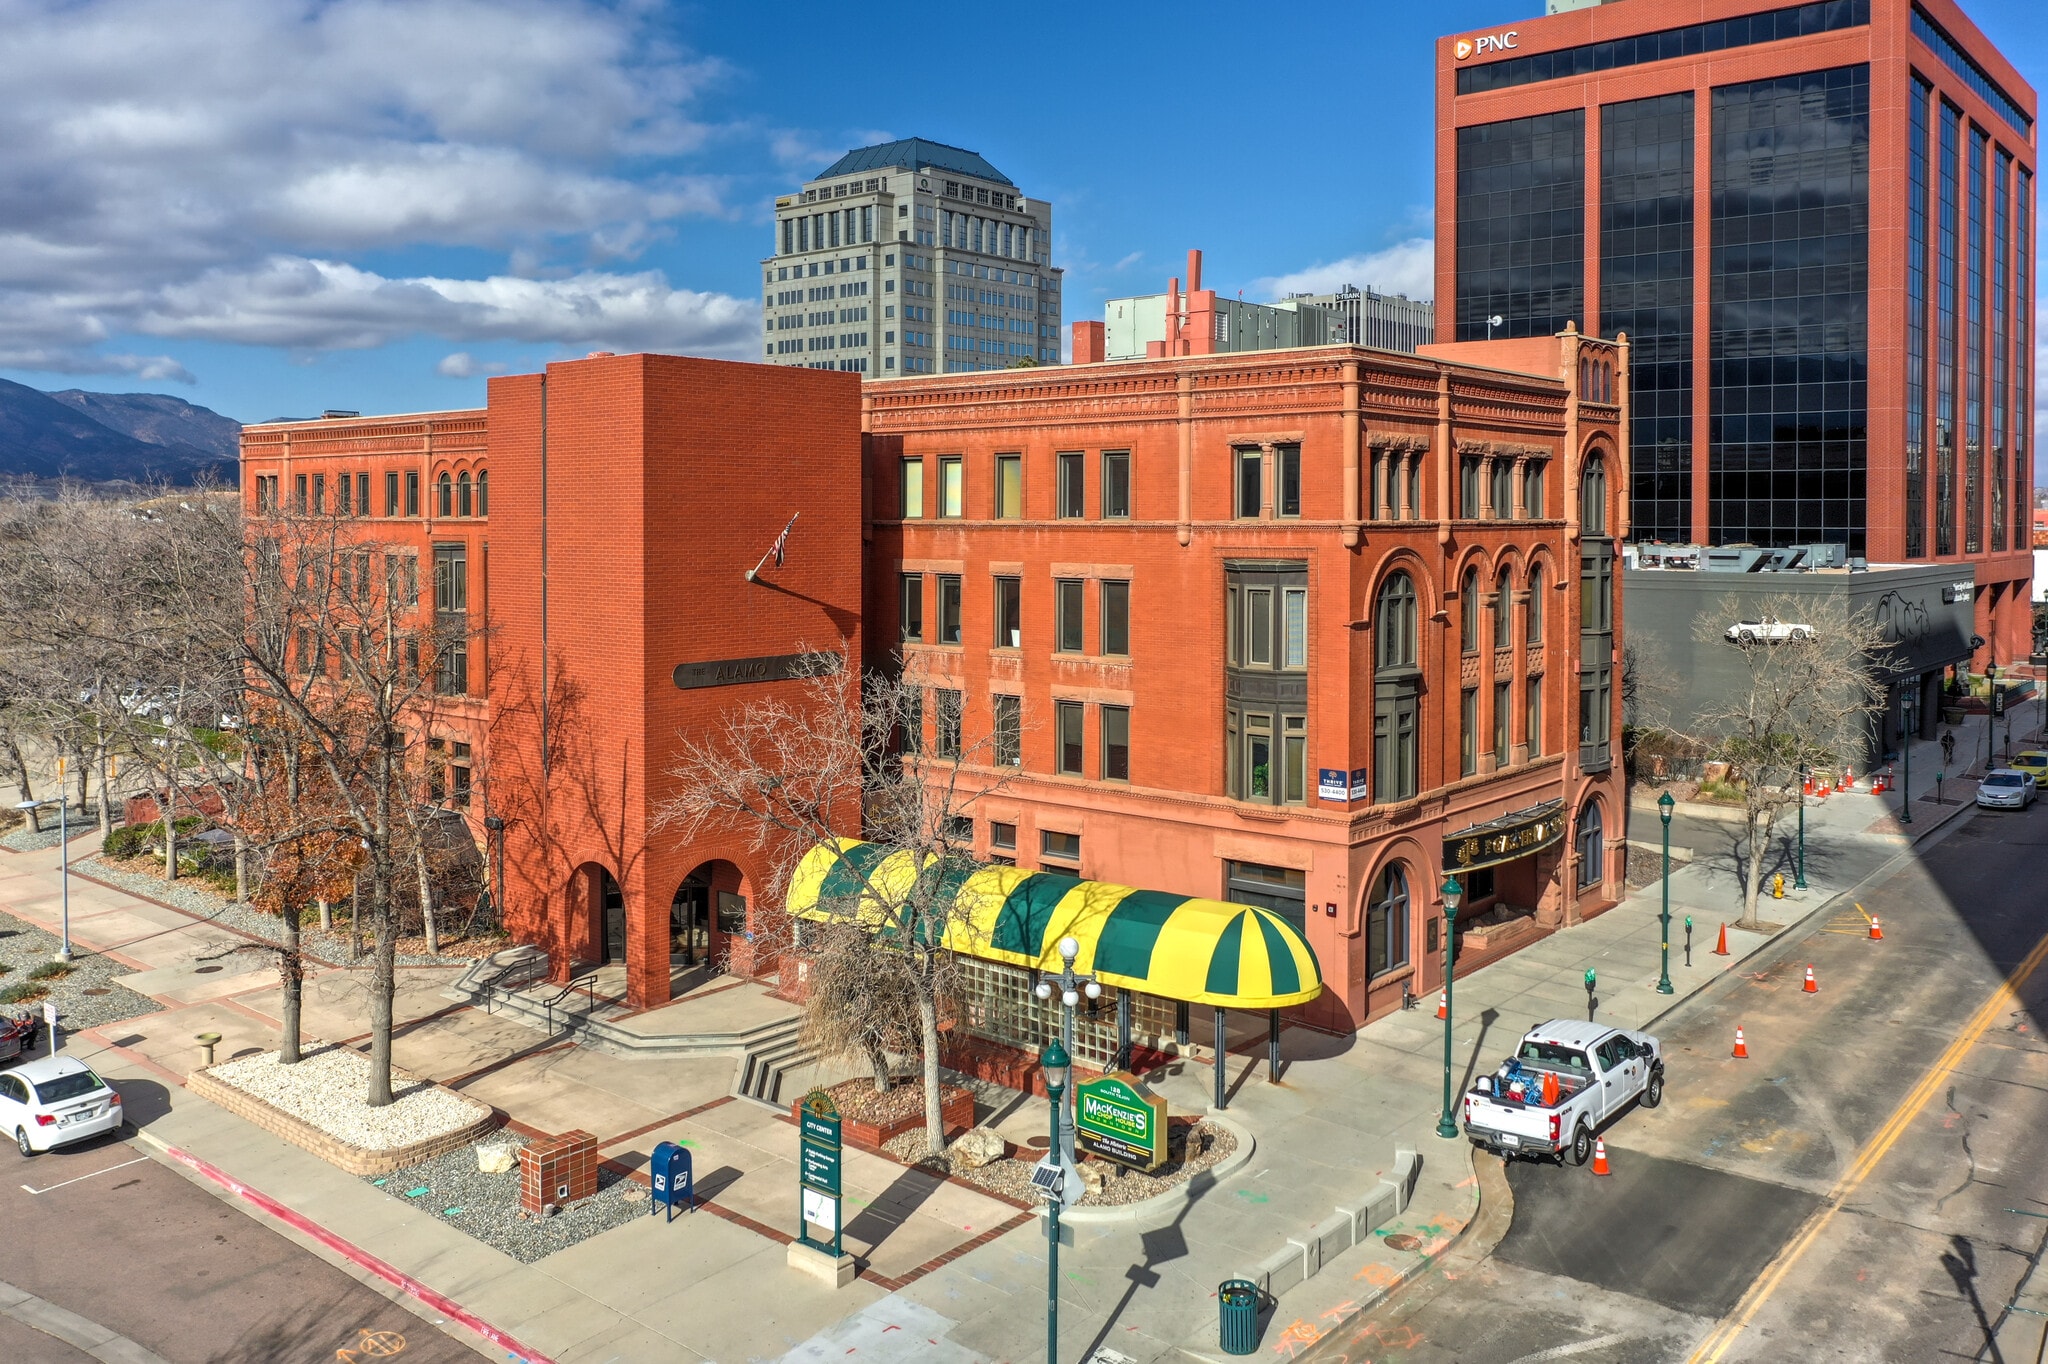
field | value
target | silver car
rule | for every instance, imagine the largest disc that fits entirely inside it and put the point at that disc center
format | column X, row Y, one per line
column 2006, row 788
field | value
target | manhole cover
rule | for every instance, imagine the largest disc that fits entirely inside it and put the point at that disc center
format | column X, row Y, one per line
column 1403, row 1240
column 99, row 990
column 1040, row 1142
column 204, row 970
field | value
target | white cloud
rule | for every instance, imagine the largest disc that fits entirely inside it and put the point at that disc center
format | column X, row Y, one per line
column 1128, row 261
column 462, row 365
column 1407, row 267
column 153, row 150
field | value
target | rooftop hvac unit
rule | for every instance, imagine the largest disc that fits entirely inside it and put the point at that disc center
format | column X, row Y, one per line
column 1746, row 560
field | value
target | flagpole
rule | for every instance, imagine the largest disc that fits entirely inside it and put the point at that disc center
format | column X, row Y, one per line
column 774, row 551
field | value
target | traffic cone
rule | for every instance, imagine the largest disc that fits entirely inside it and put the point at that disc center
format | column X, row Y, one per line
column 1876, row 933
column 1810, row 988
column 1443, row 1003
column 1848, row 779
column 1721, row 947
column 1809, row 786
column 1741, row 1047
column 1600, row 1158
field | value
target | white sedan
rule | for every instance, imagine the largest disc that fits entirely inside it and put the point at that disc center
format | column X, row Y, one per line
column 2006, row 788
column 54, row 1101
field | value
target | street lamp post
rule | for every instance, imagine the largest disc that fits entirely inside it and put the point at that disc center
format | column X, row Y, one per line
column 1664, row 804
column 1071, row 987
column 1906, row 753
column 1799, row 874
column 1053, row 1063
column 1454, row 894
column 1990, row 700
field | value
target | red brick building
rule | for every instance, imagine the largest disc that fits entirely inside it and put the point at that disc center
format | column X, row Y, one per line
column 1816, row 221
column 1298, row 628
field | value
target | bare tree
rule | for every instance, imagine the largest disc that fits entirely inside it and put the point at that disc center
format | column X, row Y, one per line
column 1803, row 702
column 840, row 753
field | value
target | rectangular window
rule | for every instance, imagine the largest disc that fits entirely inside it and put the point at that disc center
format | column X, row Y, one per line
column 912, row 599
column 1066, row 847
column 1068, row 715
column 1288, row 494
column 319, row 494
column 1067, row 632
column 299, row 494
column 952, row 486
column 1258, row 626
column 1532, row 490
column 1294, row 747
column 1009, row 724
column 391, row 494
column 1251, row 484
column 913, row 489
column 1396, row 706
column 363, row 495
column 1116, row 485
column 1294, row 628
column 1468, row 731
column 1001, row 835
column 344, row 503
column 1072, row 489
column 1116, row 743
column 1920, row 93
column 1468, row 488
column 412, row 493
column 946, row 736
column 1533, row 694
column 1116, row 618
column 451, row 667
column 458, row 776
column 949, row 608
column 1009, row 487
column 1521, row 224
column 451, row 579
column 1945, row 336
column 1503, row 715
column 1009, row 613
column 1258, row 757
column 912, row 736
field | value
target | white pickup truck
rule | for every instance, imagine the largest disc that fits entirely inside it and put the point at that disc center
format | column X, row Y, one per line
column 1588, row 1072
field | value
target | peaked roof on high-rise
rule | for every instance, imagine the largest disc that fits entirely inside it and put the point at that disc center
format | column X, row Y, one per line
column 915, row 154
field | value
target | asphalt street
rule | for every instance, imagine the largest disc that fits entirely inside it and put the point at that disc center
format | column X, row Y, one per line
column 104, row 1231
column 1868, row 1186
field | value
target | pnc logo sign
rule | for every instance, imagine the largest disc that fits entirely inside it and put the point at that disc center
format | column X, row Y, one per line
column 1485, row 43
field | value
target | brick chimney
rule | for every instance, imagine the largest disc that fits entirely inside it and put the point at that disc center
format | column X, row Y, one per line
column 1090, row 343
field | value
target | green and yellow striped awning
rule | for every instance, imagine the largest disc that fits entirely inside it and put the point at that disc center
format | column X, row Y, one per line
column 1174, row 946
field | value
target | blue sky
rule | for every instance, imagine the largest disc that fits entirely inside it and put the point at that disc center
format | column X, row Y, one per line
column 277, row 206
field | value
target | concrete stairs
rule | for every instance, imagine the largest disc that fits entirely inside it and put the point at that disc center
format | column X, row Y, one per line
column 768, row 1061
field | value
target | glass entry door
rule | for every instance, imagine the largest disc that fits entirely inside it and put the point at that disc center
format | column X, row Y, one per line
column 690, row 922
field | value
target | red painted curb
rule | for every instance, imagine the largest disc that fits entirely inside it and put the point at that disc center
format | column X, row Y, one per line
column 447, row 1307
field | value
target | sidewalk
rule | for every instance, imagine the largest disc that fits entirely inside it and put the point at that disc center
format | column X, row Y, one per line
column 954, row 1277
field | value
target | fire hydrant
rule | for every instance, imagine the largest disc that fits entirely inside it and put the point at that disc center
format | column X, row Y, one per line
column 1777, row 885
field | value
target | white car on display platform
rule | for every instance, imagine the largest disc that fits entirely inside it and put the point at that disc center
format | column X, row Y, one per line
column 53, row 1101
column 2005, row 788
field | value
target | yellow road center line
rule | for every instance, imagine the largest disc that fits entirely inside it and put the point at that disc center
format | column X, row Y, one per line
column 1731, row 1326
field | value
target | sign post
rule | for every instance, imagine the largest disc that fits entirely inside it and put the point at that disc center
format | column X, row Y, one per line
column 818, row 1166
column 1115, row 1117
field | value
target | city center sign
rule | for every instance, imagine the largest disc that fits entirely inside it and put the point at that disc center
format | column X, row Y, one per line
column 1483, row 44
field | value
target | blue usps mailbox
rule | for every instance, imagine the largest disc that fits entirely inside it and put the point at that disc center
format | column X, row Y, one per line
column 673, row 1182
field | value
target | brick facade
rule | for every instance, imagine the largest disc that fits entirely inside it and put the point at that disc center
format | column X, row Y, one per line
column 560, row 1170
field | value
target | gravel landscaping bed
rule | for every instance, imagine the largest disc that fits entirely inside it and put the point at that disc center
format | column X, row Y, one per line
column 325, row 1090
column 144, row 876
column 1011, row 1177
column 85, row 998
column 487, row 1206
column 26, row 839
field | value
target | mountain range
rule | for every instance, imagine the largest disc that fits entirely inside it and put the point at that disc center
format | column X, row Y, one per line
column 100, row 437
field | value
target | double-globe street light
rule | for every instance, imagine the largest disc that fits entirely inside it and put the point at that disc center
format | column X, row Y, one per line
column 1072, row 988
column 1664, row 804
column 1454, row 894
column 1053, row 1064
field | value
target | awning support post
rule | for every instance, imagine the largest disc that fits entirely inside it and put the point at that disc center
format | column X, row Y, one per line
column 1221, row 1101
column 1180, row 1022
column 1123, row 1029
column 1272, row 1046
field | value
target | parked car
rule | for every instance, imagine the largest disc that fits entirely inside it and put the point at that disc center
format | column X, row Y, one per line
column 1565, row 1080
column 1768, row 630
column 53, row 1101
column 2034, row 763
column 2004, row 788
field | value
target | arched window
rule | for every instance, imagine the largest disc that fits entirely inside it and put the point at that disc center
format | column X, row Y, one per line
column 1593, row 497
column 1503, row 611
column 1592, row 847
column 1397, row 692
column 483, row 492
column 445, row 490
column 1536, row 603
column 1386, row 922
column 1468, row 611
column 463, row 494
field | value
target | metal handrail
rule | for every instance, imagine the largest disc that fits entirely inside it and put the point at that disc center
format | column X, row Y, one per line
column 513, row 976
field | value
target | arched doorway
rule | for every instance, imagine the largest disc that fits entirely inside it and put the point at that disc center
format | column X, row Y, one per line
column 708, row 911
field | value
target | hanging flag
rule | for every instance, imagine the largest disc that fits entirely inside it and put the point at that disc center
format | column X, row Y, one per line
column 775, row 551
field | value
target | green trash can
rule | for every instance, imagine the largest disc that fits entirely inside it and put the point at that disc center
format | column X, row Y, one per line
column 1237, row 1300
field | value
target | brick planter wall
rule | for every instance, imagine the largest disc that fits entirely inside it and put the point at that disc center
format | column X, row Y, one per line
column 559, row 1170
column 357, row 1160
column 956, row 1110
